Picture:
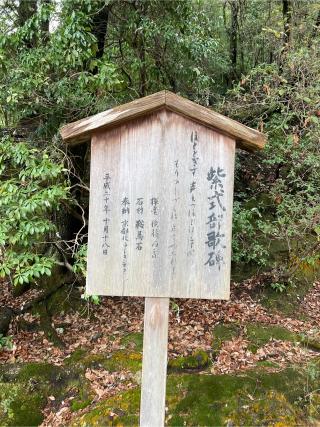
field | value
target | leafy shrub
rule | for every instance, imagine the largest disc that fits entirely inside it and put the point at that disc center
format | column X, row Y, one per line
column 284, row 100
column 32, row 188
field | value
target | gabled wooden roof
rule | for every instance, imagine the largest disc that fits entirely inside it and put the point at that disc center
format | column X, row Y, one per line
column 81, row 130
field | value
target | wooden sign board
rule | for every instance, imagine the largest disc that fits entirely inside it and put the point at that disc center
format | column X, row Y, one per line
column 161, row 190
column 160, row 209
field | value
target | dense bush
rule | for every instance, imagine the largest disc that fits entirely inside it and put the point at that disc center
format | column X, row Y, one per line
column 60, row 61
column 32, row 188
column 285, row 100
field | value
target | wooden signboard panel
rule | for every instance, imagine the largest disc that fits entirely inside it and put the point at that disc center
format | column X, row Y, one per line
column 160, row 220
column 160, row 209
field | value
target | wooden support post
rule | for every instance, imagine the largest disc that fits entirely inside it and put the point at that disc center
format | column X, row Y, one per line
column 154, row 364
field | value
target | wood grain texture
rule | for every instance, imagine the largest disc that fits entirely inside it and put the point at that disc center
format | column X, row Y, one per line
column 82, row 130
column 154, row 365
column 142, row 159
column 246, row 138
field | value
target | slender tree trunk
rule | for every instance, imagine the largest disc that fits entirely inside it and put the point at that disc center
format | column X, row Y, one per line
column 143, row 71
column 100, row 27
column 234, row 36
column 26, row 9
column 45, row 24
column 287, row 17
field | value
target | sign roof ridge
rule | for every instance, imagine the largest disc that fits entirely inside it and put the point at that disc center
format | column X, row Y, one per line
column 81, row 130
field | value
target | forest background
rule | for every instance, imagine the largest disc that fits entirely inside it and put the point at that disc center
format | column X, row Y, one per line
column 255, row 61
column 61, row 60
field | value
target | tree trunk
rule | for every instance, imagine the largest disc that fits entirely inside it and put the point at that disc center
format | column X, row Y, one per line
column 45, row 23
column 287, row 16
column 143, row 72
column 100, row 27
column 26, row 9
column 234, row 37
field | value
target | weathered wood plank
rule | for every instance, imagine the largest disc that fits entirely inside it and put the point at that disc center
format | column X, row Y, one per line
column 246, row 138
column 82, row 130
column 177, row 242
column 154, row 365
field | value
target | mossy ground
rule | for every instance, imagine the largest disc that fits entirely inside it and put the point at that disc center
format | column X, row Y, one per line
column 25, row 388
column 133, row 340
column 302, row 276
column 223, row 332
column 255, row 398
column 258, row 335
column 258, row 397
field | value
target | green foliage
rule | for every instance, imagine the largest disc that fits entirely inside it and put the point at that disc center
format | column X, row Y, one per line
column 286, row 100
column 279, row 287
column 32, row 188
column 95, row 299
column 69, row 59
column 55, row 77
column 248, row 228
column 80, row 260
column 6, row 342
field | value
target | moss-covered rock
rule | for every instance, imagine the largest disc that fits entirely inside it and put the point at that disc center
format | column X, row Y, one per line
column 39, row 371
column 198, row 360
column 20, row 405
column 117, row 361
column 81, row 359
column 25, row 388
column 223, row 399
column 123, row 360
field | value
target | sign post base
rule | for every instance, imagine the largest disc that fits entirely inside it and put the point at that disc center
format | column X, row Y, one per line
column 154, row 362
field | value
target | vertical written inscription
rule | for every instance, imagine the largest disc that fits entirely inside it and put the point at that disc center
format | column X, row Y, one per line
column 215, row 239
column 173, row 219
column 139, row 224
column 125, row 211
column 106, row 210
column 155, row 226
column 192, row 189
